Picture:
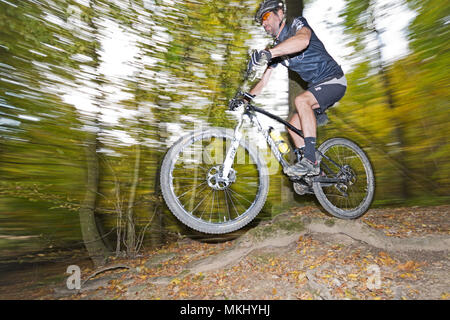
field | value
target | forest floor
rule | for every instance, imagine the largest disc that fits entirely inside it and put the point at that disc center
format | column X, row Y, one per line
column 389, row 253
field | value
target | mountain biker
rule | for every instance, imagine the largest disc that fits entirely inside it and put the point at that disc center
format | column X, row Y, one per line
column 297, row 47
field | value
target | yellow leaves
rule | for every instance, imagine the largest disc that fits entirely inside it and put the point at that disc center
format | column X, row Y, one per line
column 306, row 241
column 198, row 277
column 305, row 296
column 218, row 293
column 408, row 266
column 299, row 276
column 408, row 275
column 385, row 259
column 373, row 225
column 445, row 296
column 143, row 269
column 337, row 247
column 143, row 277
column 408, row 269
column 353, row 276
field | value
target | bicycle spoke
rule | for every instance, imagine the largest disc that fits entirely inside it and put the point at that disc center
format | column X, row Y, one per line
column 180, row 196
column 232, row 202
column 198, row 204
column 237, row 194
column 226, row 201
column 212, row 205
column 206, row 207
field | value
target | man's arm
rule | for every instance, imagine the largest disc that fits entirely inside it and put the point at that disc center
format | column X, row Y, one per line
column 247, row 97
column 296, row 43
column 262, row 83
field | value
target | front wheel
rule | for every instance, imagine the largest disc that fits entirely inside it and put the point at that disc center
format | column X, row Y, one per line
column 345, row 162
column 196, row 192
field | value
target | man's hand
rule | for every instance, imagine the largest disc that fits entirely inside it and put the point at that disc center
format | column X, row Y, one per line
column 260, row 59
column 237, row 102
column 258, row 63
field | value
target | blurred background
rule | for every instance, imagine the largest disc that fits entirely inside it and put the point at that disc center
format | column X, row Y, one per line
column 93, row 92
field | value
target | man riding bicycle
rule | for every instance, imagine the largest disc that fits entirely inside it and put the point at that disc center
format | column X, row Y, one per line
column 297, row 47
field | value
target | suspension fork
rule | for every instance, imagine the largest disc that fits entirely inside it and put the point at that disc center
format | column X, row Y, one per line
column 229, row 158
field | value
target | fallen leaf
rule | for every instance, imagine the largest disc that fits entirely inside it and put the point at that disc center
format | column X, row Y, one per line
column 408, row 266
column 353, row 276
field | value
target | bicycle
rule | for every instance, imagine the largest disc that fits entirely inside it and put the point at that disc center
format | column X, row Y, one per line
column 216, row 182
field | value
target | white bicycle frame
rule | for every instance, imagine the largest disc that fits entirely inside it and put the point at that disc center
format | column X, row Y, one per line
column 251, row 117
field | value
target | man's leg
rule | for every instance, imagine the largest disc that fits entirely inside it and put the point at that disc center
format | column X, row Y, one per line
column 305, row 120
column 298, row 141
column 296, row 122
column 305, row 103
column 327, row 93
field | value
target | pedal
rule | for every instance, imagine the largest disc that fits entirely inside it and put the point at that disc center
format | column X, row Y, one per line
column 301, row 189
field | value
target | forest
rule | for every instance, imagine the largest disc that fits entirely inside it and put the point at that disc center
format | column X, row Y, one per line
column 94, row 92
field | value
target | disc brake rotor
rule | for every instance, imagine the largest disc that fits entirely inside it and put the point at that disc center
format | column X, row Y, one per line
column 216, row 181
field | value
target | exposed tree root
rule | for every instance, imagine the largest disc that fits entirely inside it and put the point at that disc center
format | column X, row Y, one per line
column 360, row 231
column 240, row 251
column 107, row 268
column 279, row 234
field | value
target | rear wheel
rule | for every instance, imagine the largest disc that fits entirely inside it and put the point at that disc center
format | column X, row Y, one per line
column 351, row 197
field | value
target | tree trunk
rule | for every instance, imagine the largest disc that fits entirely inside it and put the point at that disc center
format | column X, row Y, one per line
column 296, row 86
column 157, row 231
column 91, row 237
column 131, row 227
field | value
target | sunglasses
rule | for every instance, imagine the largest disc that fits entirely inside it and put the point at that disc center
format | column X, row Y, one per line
column 265, row 16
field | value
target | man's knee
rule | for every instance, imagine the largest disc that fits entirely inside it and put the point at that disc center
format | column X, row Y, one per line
column 302, row 101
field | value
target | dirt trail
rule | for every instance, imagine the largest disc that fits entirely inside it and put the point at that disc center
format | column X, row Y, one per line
column 399, row 253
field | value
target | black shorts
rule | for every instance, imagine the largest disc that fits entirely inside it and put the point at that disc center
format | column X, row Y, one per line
column 329, row 92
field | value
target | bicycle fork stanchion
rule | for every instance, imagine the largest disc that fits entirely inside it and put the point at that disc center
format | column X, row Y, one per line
column 229, row 158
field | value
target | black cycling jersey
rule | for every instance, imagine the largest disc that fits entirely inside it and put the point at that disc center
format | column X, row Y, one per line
column 314, row 64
